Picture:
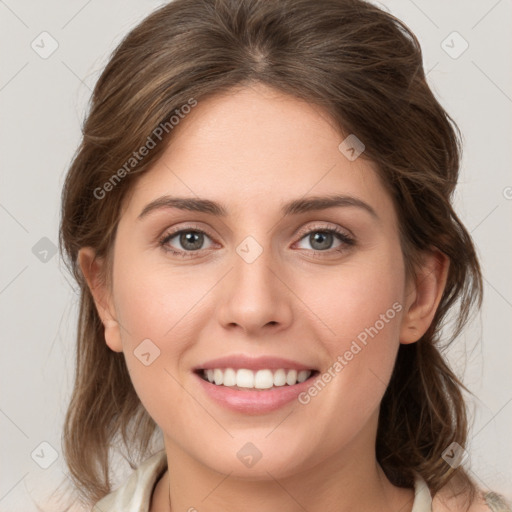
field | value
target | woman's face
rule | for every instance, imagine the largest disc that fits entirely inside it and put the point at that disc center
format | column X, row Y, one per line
column 264, row 279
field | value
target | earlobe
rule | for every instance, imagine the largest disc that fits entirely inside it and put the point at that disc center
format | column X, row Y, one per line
column 91, row 268
column 425, row 296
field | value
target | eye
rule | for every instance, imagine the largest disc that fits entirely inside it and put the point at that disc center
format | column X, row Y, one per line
column 322, row 238
column 190, row 240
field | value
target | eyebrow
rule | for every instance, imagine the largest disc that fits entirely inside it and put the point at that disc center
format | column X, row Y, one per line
column 295, row 207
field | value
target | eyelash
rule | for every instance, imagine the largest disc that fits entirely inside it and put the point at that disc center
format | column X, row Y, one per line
column 341, row 235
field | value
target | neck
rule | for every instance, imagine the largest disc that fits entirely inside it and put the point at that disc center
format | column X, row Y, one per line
column 348, row 480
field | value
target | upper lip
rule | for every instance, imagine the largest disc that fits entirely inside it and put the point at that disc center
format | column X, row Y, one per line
column 237, row 361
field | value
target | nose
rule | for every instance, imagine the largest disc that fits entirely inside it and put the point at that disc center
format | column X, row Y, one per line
column 254, row 296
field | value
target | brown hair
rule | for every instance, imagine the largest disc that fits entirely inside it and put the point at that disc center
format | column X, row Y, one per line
column 364, row 67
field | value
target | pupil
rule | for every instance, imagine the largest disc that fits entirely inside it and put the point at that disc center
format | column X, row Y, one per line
column 320, row 236
column 188, row 238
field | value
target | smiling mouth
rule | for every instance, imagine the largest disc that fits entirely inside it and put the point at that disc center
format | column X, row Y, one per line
column 243, row 379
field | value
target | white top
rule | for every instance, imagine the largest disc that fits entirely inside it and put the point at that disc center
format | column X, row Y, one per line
column 135, row 494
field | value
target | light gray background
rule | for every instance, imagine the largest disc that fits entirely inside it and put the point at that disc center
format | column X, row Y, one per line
column 42, row 105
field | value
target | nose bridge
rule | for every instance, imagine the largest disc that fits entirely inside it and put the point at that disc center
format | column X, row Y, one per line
column 253, row 255
column 255, row 295
column 254, row 268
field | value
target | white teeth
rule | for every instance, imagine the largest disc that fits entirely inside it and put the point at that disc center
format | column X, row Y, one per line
column 279, row 378
column 291, row 377
column 303, row 375
column 245, row 379
column 218, row 376
column 261, row 379
column 229, row 377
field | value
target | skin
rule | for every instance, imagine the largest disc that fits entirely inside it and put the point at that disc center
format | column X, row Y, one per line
column 251, row 151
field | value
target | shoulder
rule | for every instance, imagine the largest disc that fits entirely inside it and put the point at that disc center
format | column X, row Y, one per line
column 446, row 500
column 135, row 494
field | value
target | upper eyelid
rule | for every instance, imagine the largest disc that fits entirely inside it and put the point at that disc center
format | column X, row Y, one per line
column 323, row 226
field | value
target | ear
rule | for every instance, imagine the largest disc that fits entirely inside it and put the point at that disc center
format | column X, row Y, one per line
column 91, row 267
column 424, row 295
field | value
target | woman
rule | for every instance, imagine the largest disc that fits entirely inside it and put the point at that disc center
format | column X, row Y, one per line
column 259, row 218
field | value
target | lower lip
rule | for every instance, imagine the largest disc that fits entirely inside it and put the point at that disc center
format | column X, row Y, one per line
column 251, row 401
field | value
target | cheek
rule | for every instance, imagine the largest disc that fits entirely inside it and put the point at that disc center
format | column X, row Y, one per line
column 363, row 311
column 154, row 308
column 361, row 296
column 153, row 301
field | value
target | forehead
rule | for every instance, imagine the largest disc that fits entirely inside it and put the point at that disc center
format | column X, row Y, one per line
column 254, row 148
